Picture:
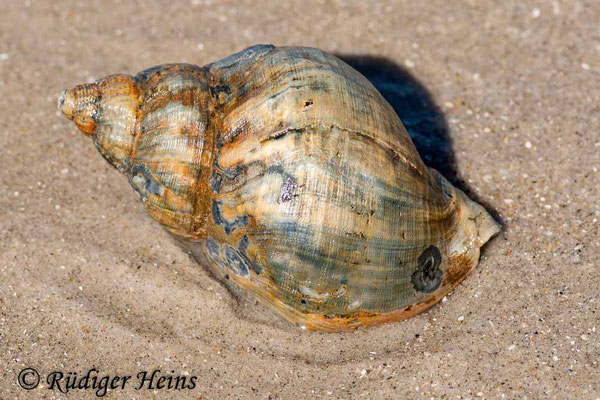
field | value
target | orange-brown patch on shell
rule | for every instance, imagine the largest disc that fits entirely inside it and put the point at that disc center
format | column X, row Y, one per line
column 202, row 192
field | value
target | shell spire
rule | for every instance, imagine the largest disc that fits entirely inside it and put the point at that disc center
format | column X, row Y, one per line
column 153, row 129
column 106, row 111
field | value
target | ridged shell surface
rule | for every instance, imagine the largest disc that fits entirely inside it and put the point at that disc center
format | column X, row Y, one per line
column 290, row 177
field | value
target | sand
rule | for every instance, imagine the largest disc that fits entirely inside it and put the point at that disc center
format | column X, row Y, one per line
column 510, row 95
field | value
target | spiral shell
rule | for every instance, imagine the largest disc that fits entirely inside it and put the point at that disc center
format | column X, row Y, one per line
column 289, row 176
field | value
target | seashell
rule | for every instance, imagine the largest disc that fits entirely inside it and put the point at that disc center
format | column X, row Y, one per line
column 287, row 174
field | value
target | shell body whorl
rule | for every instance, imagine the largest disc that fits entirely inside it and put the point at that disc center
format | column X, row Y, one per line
column 289, row 176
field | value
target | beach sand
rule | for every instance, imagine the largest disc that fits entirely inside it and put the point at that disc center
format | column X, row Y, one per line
column 511, row 96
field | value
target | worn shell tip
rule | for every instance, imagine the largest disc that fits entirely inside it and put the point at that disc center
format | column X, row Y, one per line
column 66, row 104
column 79, row 105
column 61, row 100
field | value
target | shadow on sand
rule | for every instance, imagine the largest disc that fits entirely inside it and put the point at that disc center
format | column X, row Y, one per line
column 423, row 120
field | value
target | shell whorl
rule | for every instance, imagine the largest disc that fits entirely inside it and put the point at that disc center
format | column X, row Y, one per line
column 106, row 111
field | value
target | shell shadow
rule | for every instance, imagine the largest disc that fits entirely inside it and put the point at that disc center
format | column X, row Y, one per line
column 424, row 121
